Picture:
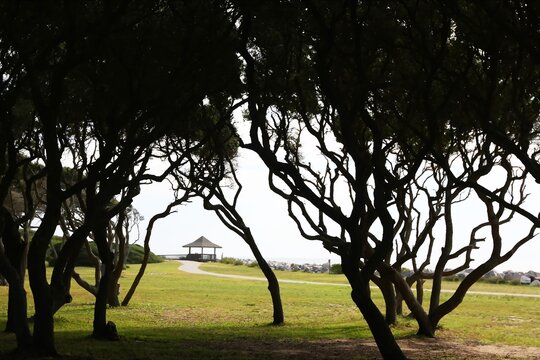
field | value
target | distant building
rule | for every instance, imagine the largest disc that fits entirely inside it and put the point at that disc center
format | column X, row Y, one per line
column 202, row 243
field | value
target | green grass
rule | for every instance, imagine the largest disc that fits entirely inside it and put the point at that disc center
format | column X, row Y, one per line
column 289, row 275
column 340, row 279
column 176, row 313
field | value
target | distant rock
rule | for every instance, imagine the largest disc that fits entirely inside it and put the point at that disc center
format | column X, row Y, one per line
column 492, row 274
column 535, row 283
column 511, row 276
column 525, row 279
column 311, row 268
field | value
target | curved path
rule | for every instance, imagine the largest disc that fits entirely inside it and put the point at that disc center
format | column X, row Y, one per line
column 192, row 267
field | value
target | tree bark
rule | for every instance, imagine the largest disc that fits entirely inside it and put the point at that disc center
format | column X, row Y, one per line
column 273, row 284
column 101, row 329
column 420, row 291
column 449, row 305
column 114, row 287
column 43, row 337
column 65, row 263
column 139, row 275
column 11, row 250
column 425, row 326
column 17, row 306
column 146, row 255
column 390, row 301
column 361, row 296
column 399, row 304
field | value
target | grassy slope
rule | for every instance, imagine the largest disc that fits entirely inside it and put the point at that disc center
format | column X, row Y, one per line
column 177, row 313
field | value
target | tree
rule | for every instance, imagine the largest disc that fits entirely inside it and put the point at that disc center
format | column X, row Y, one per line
column 212, row 190
column 110, row 71
column 376, row 90
column 356, row 163
column 147, row 237
column 10, row 249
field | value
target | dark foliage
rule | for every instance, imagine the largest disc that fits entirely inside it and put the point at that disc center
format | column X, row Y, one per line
column 135, row 255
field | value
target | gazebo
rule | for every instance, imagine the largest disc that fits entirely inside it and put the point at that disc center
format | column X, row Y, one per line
column 202, row 243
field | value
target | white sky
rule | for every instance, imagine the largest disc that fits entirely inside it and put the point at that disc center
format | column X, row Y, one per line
column 276, row 234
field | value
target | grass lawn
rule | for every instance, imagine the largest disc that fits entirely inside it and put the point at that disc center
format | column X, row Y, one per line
column 180, row 315
column 340, row 279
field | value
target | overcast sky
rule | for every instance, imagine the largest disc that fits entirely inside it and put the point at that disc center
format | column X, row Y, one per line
column 276, row 234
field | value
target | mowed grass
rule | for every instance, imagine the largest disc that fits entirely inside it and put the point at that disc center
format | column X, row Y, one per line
column 340, row 279
column 180, row 315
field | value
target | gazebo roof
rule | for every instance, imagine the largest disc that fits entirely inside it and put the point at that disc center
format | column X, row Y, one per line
column 203, row 242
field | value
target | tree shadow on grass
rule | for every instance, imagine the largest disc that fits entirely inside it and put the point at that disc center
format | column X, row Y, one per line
column 254, row 342
column 164, row 343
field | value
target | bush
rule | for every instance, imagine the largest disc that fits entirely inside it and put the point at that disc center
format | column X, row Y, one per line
column 493, row 280
column 135, row 255
column 227, row 260
column 233, row 261
column 336, row 269
column 253, row 264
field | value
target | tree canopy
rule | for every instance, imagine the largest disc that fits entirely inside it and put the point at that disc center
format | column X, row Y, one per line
column 374, row 119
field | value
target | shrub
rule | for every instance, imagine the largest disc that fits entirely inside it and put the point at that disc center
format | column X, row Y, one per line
column 135, row 255
column 233, row 261
column 493, row 280
column 336, row 269
column 455, row 278
column 253, row 264
column 227, row 260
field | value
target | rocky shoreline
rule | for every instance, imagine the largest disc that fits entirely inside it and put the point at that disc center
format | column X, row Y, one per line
column 531, row 278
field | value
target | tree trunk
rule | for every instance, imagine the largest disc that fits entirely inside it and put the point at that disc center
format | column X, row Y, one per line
column 436, row 314
column 102, row 329
column 43, row 336
column 420, row 291
column 139, row 275
column 389, row 295
column 114, row 286
column 146, row 255
column 273, row 284
column 361, row 296
column 24, row 257
column 17, row 305
column 63, row 268
column 425, row 326
column 399, row 304
column 12, row 249
column 97, row 263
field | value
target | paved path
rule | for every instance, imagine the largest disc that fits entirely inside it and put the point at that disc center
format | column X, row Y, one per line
column 193, row 268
